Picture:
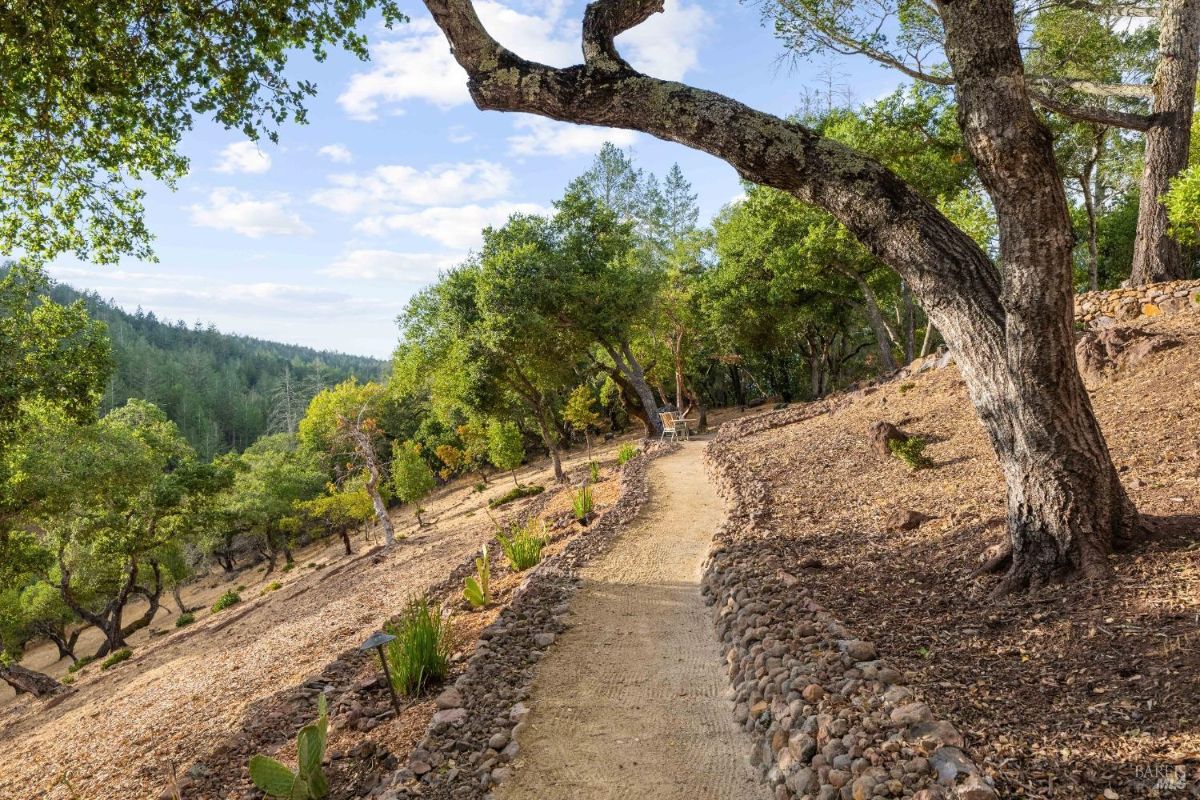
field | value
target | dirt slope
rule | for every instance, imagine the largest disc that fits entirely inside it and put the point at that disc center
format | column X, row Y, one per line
column 1066, row 692
column 628, row 702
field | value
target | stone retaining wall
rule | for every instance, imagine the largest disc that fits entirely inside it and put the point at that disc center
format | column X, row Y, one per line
column 472, row 738
column 1105, row 308
column 830, row 720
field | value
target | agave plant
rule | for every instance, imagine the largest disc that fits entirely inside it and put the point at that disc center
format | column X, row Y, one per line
column 307, row 783
column 475, row 589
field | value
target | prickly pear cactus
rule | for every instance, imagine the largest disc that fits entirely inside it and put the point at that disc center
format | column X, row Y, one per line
column 309, row 783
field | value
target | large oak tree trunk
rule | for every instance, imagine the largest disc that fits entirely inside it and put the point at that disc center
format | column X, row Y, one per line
column 1009, row 324
column 1156, row 256
column 631, row 368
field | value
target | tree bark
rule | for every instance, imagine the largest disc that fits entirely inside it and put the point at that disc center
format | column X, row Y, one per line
column 27, row 681
column 628, row 365
column 366, row 452
column 1157, row 256
column 883, row 340
column 1010, row 328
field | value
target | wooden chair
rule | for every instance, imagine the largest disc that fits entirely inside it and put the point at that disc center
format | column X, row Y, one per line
column 674, row 424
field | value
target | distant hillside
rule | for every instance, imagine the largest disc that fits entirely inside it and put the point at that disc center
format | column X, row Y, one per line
column 223, row 390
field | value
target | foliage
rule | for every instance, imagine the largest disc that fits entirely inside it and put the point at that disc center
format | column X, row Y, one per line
column 411, row 475
column 580, row 412
column 73, row 169
column 593, row 471
column 306, row 783
column 523, row 546
column 505, row 449
column 273, row 586
column 911, row 451
column 230, row 598
column 116, row 658
column 626, row 452
column 420, row 654
column 581, row 504
column 185, row 619
column 517, row 493
column 476, row 589
column 81, row 663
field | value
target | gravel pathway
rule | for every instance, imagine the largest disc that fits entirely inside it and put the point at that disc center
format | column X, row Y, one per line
column 629, row 702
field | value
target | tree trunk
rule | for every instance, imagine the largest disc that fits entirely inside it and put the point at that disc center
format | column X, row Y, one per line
column 27, row 681
column 152, row 597
column 1086, row 176
column 346, row 541
column 628, row 365
column 366, row 452
column 887, row 362
column 1010, row 328
column 739, row 392
column 910, row 326
column 1156, row 256
column 551, row 449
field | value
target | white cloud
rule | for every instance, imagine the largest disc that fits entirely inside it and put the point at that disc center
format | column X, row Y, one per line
column 417, row 268
column 416, row 67
column 337, row 153
column 668, row 44
column 243, row 157
column 547, row 137
column 460, row 135
column 393, row 185
column 459, row 228
column 232, row 210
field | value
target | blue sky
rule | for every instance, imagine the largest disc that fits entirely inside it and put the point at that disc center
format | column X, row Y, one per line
column 321, row 239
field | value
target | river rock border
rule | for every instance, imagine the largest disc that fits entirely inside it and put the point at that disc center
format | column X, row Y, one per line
column 471, row 739
column 829, row 719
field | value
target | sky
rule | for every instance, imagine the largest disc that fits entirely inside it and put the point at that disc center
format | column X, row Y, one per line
column 321, row 239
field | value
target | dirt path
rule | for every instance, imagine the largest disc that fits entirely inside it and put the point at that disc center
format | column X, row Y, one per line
column 628, row 703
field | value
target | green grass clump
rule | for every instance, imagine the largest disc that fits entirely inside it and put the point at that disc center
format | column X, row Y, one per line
column 626, row 452
column 581, row 504
column 274, row 586
column 905, row 388
column 288, row 567
column 593, row 472
column 116, row 658
column 185, row 619
column 523, row 546
column 230, row 598
column 81, row 663
column 67, row 680
column 419, row 656
column 911, row 451
column 515, row 494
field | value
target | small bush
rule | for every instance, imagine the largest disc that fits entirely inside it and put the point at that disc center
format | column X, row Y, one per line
column 911, row 451
column 515, row 494
column 288, row 567
column 420, row 654
column 593, row 472
column 905, row 388
column 241, row 587
column 523, row 547
column 581, row 505
column 116, row 658
column 274, row 586
column 480, row 487
column 230, row 598
column 67, row 680
column 185, row 619
column 81, row 663
column 476, row 590
column 626, row 452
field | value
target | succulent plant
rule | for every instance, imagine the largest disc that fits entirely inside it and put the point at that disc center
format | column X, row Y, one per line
column 307, row 783
column 475, row 589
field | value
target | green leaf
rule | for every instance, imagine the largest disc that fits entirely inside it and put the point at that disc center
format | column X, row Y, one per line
column 272, row 777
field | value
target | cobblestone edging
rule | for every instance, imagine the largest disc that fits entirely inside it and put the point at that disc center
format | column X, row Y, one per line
column 1106, row 308
column 472, row 738
column 829, row 718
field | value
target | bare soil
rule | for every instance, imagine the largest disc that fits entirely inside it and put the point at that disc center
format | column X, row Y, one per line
column 1079, row 690
column 628, row 702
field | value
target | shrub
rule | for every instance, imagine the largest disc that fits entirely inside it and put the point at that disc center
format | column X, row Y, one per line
column 288, row 567
column 475, row 589
column 116, row 658
column 230, row 598
column 626, row 452
column 505, row 449
column 581, row 504
column 593, row 472
column 905, row 388
column 81, row 663
column 308, row 783
column 274, row 586
column 185, row 619
column 480, row 487
column 515, row 494
column 420, row 653
column 523, row 547
column 911, row 451
column 67, row 680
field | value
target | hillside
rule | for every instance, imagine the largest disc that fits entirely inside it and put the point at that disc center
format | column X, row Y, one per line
column 223, row 390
